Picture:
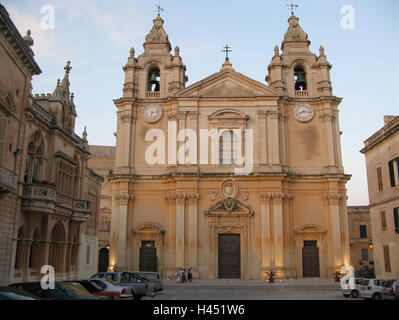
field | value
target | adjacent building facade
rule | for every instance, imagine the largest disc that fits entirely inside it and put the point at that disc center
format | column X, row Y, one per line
column 17, row 67
column 360, row 237
column 382, row 162
column 229, row 176
column 49, row 197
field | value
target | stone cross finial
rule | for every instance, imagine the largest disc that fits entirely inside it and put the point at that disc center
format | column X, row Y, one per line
column 226, row 50
column 68, row 67
column 177, row 51
column 159, row 8
column 321, row 50
column 276, row 51
column 292, row 6
column 132, row 52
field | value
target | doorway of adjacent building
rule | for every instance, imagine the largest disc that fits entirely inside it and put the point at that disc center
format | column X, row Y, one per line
column 310, row 259
column 148, row 256
column 229, row 257
column 103, row 260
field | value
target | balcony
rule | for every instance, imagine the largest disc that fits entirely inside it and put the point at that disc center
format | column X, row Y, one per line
column 39, row 198
column 81, row 210
column 153, row 94
column 8, row 181
column 301, row 93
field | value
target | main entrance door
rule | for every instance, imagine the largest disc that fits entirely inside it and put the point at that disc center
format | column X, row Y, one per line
column 229, row 257
column 310, row 259
column 148, row 256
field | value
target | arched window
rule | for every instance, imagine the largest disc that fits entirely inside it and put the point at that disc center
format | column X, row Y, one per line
column 57, row 245
column 76, row 182
column 300, row 78
column 19, row 255
column 34, row 159
column 34, row 251
column 154, row 76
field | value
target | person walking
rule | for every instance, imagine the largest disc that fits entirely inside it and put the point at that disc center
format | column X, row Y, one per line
column 184, row 279
column 190, row 274
column 179, row 276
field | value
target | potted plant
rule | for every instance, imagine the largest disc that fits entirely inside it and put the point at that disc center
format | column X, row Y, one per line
column 271, row 275
column 336, row 276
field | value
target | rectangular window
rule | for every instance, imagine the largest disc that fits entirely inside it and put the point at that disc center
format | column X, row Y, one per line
column 387, row 260
column 363, row 231
column 383, row 221
column 365, row 254
column 379, row 178
column 394, row 172
column 105, row 224
column 396, row 218
column 88, row 255
column 3, row 135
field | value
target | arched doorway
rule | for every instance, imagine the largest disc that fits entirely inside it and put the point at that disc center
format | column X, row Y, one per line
column 56, row 250
column 103, row 260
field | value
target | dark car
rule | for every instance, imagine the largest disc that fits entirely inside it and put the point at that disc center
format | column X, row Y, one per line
column 10, row 293
column 62, row 291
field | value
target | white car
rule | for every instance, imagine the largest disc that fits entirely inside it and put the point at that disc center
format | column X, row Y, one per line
column 372, row 288
column 351, row 287
column 111, row 287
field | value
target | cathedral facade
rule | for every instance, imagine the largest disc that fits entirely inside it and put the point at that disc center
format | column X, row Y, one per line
column 230, row 176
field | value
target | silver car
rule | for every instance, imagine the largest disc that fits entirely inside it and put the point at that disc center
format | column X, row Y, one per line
column 371, row 288
column 391, row 290
column 140, row 286
column 153, row 277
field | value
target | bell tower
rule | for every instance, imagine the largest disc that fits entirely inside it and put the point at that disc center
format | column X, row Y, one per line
column 156, row 74
column 297, row 71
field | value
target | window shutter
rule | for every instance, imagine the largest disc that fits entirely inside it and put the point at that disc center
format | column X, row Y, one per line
column 383, row 221
column 391, row 173
column 396, row 218
column 387, row 261
column 379, row 178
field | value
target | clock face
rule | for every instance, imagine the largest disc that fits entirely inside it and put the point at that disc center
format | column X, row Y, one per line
column 152, row 113
column 303, row 112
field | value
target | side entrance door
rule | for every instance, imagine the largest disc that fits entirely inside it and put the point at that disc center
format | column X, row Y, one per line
column 148, row 256
column 229, row 257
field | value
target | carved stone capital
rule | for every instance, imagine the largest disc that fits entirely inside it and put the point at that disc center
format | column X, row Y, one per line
column 262, row 114
column 266, row 197
column 123, row 199
column 193, row 197
column 182, row 115
column 193, row 115
column 180, row 198
column 273, row 114
column 333, row 198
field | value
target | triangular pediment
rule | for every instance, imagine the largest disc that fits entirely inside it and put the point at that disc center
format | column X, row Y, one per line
column 7, row 101
column 228, row 84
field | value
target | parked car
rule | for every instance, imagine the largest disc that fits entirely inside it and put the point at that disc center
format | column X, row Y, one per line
column 152, row 276
column 371, row 288
column 351, row 287
column 390, row 290
column 61, row 291
column 10, row 293
column 96, row 290
column 110, row 287
column 140, row 286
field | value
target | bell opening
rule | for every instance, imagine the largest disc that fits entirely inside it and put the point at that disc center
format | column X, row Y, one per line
column 154, row 80
column 300, row 79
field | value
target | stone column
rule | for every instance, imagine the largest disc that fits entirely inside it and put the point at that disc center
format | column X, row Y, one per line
column 265, row 229
column 263, row 143
column 123, row 202
column 333, row 200
column 327, row 117
column 273, row 137
column 192, row 229
column 278, row 229
column 180, row 201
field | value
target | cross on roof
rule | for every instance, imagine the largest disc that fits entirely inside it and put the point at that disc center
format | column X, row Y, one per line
column 292, row 6
column 226, row 49
column 159, row 8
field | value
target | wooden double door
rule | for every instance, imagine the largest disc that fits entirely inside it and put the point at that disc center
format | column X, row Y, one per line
column 229, row 256
column 310, row 259
column 148, row 256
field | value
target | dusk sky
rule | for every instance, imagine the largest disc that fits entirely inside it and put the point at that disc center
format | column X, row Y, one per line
column 96, row 37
